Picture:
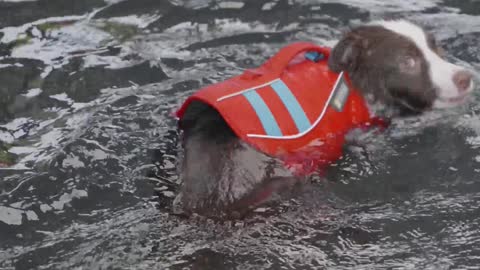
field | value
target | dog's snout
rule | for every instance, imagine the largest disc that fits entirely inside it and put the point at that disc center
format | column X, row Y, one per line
column 462, row 80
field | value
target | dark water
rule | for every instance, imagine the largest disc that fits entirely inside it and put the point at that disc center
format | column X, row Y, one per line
column 87, row 90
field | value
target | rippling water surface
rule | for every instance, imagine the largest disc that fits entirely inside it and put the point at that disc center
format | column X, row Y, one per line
column 88, row 144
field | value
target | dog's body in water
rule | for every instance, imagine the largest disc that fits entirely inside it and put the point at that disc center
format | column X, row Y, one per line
column 395, row 63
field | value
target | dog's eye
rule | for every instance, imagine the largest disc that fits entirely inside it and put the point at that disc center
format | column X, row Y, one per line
column 409, row 64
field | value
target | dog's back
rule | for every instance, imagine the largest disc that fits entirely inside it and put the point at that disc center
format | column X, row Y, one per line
column 221, row 175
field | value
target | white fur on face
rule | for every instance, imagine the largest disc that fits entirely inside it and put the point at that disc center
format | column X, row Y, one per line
column 441, row 72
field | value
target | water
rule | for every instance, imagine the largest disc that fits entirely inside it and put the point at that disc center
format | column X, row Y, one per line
column 87, row 136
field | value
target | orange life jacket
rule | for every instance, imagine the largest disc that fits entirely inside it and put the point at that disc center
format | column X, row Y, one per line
column 299, row 112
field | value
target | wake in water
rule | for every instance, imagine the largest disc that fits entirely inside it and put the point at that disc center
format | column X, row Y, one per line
column 88, row 93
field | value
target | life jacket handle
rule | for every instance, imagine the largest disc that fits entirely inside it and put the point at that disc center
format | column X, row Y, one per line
column 277, row 64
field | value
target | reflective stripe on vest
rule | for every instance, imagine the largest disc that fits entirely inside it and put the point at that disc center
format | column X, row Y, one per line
column 291, row 103
column 264, row 114
column 297, row 113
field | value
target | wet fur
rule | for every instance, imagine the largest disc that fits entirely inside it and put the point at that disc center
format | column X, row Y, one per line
column 214, row 158
column 222, row 176
column 376, row 69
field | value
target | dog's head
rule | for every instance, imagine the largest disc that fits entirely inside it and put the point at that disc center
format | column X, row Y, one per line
column 399, row 64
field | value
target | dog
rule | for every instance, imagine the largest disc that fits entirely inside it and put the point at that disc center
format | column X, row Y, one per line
column 395, row 63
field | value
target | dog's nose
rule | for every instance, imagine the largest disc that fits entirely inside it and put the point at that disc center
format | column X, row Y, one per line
column 462, row 80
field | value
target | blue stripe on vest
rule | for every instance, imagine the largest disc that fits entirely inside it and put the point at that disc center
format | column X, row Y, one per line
column 291, row 103
column 269, row 123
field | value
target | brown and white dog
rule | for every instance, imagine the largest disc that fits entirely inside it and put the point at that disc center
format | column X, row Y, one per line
column 394, row 62
column 399, row 64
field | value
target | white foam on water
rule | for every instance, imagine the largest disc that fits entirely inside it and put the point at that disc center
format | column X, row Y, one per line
column 46, row 71
column 113, row 1
column 98, row 154
column 62, row 97
column 6, row 137
column 12, row 33
column 66, row 198
column 168, row 194
column 193, row 4
column 49, row 139
column 449, row 25
column 382, row 6
column 10, row 215
column 11, row 65
column 13, row 216
column 268, row 5
column 21, row 150
column 62, row 42
column 226, row 27
column 42, row 150
column 17, row 204
column 16, row 123
column 45, row 208
column 31, row 215
column 97, row 144
column 73, row 161
column 139, row 21
column 110, row 62
column 230, row 4
column 131, row 223
column 33, row 92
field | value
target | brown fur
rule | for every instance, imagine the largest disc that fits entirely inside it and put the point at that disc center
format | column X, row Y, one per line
column 387, row 66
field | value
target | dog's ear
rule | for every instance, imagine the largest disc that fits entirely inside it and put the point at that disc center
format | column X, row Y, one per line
column 343, row 56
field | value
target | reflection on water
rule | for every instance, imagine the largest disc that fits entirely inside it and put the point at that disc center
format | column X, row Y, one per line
column 89, row 145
